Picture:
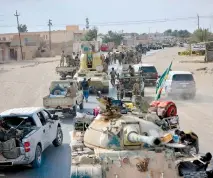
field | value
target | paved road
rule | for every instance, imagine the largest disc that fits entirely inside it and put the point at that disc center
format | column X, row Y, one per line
column 26, row 87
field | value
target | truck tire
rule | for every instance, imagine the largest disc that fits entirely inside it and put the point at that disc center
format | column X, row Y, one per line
column 74, row 111
column 37, row 162
column 81, row 106
column 59, row 138
column 200, row 174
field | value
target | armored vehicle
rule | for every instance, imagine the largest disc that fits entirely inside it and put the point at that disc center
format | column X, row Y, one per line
column 116, row 145
column 91, row 68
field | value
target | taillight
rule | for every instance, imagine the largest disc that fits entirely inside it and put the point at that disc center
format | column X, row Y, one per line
column 27, row 146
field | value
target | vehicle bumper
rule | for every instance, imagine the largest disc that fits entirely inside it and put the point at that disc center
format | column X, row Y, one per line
column 21, row 160
column 182, row 92
column 150, row 81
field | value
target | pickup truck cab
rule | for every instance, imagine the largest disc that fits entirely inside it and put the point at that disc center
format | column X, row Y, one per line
column 58, row 101
column 180, row 83
column 25, row 133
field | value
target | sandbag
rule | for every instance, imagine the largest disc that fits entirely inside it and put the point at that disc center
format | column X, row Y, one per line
column 12, row 154
column 8, row 145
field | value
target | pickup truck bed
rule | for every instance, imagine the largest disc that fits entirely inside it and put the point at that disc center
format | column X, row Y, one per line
column 62, row 103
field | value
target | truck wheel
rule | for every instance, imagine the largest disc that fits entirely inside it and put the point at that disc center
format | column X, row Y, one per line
column 59, row 138
column 81, row 106
column 37, row 162
column 74, row 111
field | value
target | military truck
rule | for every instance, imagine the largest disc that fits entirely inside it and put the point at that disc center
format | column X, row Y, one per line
column 59, row 102
column 128, row 82
column 65, row 71
column 91, row 68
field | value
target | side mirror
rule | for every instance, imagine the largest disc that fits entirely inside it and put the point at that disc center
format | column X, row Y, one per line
column 159, row 76
column 55, row 117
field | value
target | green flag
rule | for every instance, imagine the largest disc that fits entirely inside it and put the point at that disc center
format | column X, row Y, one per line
column 161, row 82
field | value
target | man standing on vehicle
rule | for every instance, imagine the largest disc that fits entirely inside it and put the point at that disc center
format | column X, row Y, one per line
column 71, row 91
column 85, row 87
column 136, row 88
column 113, row 75
column 62, row 59
column 105, row 67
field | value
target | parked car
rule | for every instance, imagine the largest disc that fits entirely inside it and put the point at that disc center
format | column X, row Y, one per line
column 180, row 83
column 25, row 133
column 150, row 73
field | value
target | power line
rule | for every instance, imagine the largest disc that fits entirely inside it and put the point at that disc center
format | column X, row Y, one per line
column 18, row 26
column 124, row 22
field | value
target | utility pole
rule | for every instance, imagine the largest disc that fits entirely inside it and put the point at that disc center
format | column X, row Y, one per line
column 87, row 23
column 50, row 42
column 17, row 18
column 198, row 21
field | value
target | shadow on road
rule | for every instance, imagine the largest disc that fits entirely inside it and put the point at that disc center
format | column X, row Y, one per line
column 56, row 163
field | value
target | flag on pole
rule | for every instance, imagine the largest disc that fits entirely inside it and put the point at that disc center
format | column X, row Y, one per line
column 161, row 82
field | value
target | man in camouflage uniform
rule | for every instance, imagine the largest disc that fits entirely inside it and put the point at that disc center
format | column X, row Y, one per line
column 131, row 71
column 120, row 58
column 62, row 59
column 136, row 88
column 105, row 67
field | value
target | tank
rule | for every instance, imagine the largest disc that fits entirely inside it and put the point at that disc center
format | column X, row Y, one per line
column 124, row 146
column 91, row 68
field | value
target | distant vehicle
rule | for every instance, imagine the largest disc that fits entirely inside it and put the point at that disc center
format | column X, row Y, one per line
column 180, row 83
column 104, row 48
column 26, row 133
column 181, row 45
column 150, row 73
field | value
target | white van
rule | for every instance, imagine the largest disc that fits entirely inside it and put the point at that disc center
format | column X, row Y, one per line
column 180, row 83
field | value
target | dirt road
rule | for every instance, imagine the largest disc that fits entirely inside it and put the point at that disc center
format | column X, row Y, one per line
column 197, row 114
column 25, row 83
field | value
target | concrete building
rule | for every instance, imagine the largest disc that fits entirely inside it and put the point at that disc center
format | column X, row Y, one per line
column 9, row 42
column 71, row 33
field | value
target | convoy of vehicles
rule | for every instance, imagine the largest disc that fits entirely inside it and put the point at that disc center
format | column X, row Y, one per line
column 25, row 133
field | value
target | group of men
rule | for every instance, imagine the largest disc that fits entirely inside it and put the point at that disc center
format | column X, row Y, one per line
column 70, row 60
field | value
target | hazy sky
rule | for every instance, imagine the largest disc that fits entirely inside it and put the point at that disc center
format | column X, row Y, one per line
column 35, row 14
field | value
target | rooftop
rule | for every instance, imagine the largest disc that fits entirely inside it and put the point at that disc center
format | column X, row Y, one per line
column 21, row 111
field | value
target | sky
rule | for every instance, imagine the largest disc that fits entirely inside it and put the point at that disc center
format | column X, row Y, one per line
column 36, row 13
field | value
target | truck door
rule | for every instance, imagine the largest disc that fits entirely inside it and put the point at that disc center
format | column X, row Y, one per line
column 52, row 126
column 44, row 130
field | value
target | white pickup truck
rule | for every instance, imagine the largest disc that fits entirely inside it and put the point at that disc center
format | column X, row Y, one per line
column 25, row 133
column 58, row 101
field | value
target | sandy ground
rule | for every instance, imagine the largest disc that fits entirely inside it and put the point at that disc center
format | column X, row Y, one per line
column 195, row 115
column 26, row 83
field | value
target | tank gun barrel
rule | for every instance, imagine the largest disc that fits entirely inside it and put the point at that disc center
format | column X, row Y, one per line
column 134, row 137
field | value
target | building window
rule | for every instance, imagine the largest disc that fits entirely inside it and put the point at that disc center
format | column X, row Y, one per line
column 4, row 39
column 46, row 37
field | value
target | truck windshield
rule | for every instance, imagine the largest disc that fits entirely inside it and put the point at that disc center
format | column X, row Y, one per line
column 182, row 77
column 14, row 121
column 149, row 69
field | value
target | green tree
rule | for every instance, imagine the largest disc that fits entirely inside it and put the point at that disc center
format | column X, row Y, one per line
column 22, row 28
column 91, row 34
column 201, row 35
column 178, row 33
column 168, row 32
column 113, row 37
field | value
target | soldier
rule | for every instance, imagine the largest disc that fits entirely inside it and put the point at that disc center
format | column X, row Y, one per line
column 114, row 57
column 131, row 71
column 77, row 60
column 136, row 88
column 71, row 91
column 62, row 59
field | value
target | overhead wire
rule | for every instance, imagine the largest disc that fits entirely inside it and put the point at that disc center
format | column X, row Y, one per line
column 121, row 22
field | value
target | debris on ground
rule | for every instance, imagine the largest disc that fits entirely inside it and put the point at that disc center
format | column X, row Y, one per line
column 203, row 68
